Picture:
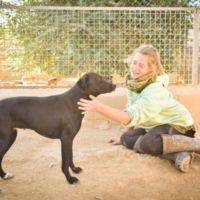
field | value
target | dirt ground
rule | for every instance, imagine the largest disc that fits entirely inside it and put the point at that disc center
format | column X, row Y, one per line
column 109, row 172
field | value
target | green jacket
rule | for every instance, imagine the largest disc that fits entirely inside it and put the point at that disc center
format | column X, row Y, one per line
column 155, row 106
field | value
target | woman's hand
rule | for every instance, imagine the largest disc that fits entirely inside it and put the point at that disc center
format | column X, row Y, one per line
column 111, row 113
column 115, row 141
column 88, row 105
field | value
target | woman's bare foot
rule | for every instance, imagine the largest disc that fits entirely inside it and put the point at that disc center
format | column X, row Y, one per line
column 115, row 141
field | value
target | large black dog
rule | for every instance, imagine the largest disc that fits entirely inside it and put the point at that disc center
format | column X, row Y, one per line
column 56, row 117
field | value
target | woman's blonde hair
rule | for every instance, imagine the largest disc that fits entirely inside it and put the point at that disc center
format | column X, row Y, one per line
column 152, row 52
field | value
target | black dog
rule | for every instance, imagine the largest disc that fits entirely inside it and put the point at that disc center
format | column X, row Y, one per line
column 56, row 117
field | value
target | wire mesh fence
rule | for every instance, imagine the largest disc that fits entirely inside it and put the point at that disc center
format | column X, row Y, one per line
column 68, row 41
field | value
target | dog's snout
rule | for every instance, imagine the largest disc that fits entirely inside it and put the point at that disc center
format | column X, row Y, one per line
column 113, row 86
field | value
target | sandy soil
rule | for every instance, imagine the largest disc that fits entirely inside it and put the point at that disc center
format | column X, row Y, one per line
column 109, row 172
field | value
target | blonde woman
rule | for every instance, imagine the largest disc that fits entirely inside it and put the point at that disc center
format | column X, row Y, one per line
column 157, row 124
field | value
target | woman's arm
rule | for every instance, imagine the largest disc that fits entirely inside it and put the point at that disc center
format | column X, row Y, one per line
column 95, row 106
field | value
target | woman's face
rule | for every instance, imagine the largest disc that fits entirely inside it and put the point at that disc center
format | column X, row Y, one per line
column 140, row 65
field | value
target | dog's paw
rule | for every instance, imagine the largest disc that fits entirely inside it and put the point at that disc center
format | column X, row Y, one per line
column 76, row 170
column 8, row 176
column 72, row 180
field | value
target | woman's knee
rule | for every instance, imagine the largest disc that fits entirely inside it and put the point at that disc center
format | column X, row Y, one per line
column 124, row 140
column 128, row 141
column 151, row 145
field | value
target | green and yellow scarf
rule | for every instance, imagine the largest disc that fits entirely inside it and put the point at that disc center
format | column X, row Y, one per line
column 138, row 84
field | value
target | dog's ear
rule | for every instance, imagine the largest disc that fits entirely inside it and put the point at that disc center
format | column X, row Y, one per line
column 83, row 82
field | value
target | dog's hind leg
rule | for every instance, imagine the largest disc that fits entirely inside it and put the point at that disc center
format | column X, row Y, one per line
column 6, row 141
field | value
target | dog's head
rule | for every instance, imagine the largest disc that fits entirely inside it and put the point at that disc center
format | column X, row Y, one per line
column 94, row 84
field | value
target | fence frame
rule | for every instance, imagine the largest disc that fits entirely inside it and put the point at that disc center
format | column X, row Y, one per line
column 195, row 48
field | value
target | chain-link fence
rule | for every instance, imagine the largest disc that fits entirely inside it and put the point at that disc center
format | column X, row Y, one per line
column 68, row 41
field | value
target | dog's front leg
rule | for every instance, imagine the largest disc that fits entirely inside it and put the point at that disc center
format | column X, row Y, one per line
column 66, row 151
column 71, row 163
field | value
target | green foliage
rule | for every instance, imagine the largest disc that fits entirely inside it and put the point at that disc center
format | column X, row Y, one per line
column 70, row 42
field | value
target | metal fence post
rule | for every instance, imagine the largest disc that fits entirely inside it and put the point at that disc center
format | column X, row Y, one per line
column 195, row 55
